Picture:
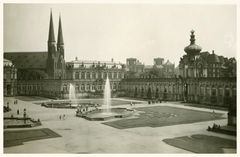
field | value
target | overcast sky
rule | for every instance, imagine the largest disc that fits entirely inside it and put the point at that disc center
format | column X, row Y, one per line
column 120, row 31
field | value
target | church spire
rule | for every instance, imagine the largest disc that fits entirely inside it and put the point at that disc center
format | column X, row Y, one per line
column 51, row 37
column 60, row 34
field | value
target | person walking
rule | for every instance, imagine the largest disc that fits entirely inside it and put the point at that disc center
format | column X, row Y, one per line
column 60, row 117
column 18, row 112
column 63, row 116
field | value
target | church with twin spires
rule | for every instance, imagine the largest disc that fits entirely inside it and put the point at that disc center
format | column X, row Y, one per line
column 46, row 73
column 41, row 65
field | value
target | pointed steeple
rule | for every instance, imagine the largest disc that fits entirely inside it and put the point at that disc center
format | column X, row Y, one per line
column 60, row 34
column 51, row 37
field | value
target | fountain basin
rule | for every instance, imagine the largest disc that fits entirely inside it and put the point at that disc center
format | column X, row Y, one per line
column 18, row 122
column 64, row 104
column 102, row 114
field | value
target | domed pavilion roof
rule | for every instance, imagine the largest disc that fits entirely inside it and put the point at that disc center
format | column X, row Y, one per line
column 192, row 49
column 213, row 58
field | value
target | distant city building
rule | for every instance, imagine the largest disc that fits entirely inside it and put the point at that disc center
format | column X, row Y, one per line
column 159, row 69
column 203, row 78
column 10, row 78
column 134, row 65
column 197, row 64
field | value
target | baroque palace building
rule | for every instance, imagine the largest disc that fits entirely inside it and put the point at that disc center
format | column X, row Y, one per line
column 203, row 78
column 47, row 74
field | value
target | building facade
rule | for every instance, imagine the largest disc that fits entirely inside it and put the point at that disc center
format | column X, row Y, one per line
column 89, row 76
column 10, row 78
column 203, row 78
column 160, row 69
column 47, row 74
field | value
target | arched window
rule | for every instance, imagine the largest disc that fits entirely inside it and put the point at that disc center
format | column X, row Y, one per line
column 88, row 87
column 93, row 75
column 105, row 75
column 83, row 75
column 99, row 75
column 77, row 88
column 88, row 75
column 65, row 88
column 76, row 75
column 201, row 90
column 93, row 87
column 121, row 75
column 114, row 85
column 115, row 75
column 227, row 92
column 207, row 91
column 110, row 75
column 82, row 87
column 213, row 91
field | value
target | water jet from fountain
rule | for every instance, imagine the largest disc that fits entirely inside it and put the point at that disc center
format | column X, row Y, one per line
column 72, row 94
column 107, row 96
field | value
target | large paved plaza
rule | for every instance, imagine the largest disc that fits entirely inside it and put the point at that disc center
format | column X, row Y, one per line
column 143, row 133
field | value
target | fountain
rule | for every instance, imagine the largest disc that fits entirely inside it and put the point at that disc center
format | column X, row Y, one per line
column 72, row 95
column 106, row 112
column 107, row 97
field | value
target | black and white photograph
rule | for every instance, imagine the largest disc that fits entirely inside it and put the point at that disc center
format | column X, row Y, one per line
column 119, row 78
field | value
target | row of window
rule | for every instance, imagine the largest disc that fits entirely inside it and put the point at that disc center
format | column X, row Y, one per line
column 215, row 92
column 10, row 75
column 160, row 89
column 91, row 87
column 203, row 91
column 99, row 75
column 28, row 87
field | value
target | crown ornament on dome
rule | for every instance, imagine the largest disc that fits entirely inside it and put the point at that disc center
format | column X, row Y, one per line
column 192, row 39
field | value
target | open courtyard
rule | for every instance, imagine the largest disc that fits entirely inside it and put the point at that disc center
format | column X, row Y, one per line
column 152, row 130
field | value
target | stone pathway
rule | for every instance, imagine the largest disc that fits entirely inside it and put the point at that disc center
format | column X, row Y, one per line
column 82, row 136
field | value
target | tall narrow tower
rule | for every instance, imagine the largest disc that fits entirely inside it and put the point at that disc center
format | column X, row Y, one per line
column 51, row 37
column 60, row 43
column 51, row 63
column 60, row 50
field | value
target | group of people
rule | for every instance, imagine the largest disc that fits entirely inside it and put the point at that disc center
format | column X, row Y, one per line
column 15, row 102
column 62, row 117
column 154, row 101
column 84, row 109
column 131, row 104
column 214, row 127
